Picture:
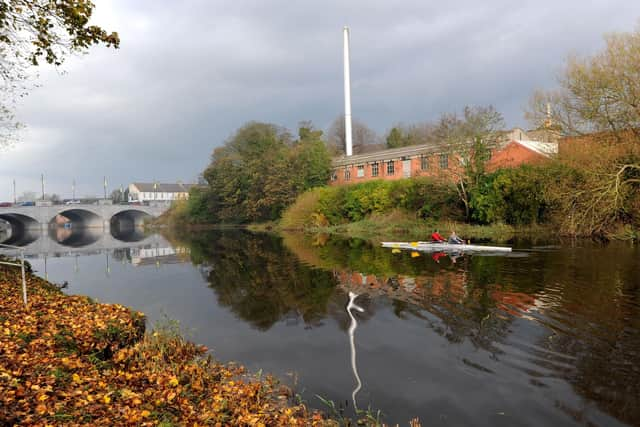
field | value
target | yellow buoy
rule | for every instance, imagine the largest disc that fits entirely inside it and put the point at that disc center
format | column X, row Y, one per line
column 395, row 251
column 415, row 254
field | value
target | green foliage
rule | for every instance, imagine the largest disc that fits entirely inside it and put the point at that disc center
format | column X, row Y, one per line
column 258, row 173
column 395, row 138
column 196, row 206
column 340, row 204
column 516, row 196
column 303, row 213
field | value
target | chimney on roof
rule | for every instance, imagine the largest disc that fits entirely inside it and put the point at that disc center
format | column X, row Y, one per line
column 548, row 122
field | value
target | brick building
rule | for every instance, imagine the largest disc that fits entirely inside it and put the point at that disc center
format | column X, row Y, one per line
column 435, row 160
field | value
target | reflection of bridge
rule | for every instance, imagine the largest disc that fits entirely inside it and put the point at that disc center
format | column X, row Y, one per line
column 45, row 246
column 24, row 219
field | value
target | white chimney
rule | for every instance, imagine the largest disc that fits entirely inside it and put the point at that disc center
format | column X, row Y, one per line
column 347, row 94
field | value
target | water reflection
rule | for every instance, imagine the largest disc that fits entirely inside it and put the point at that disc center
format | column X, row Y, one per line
column 75, row 237
column 465, row 339
column 126, row 232
column 352, row 332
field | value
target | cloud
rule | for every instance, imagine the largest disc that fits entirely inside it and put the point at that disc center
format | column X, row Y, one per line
column 188, row 74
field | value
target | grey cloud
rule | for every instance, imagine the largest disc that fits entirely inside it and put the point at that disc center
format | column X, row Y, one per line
column 188, row 74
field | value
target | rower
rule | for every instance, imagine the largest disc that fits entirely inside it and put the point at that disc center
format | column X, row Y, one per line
column 436, row 237
column 454, row 239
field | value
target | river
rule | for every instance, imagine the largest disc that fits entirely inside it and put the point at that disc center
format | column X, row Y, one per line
column 547, row 335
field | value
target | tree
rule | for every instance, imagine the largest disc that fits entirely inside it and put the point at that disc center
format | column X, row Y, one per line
column 362, row 136
column 36, row 31
column 405, row 135
column 259, row 172
column 395, row 138
column 120, row 195
column 600, row 96
column 470, row 138
column 311, row 159
column 598, row 93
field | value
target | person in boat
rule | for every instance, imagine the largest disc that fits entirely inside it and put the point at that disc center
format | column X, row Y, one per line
column 454, row 239
column 436, row 237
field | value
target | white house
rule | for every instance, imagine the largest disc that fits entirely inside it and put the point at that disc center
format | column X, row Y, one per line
column 154, row 191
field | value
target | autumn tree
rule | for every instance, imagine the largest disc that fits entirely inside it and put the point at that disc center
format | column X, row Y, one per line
column 469, row 137
column 597, row 93
column 598, row 96
column 311, row 161
column 33, row 32
column 260, row 171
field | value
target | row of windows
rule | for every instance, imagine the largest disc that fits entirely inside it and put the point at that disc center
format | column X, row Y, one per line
column 443, row 162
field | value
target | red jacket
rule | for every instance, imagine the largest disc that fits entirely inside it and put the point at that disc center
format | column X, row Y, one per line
column 437, row 237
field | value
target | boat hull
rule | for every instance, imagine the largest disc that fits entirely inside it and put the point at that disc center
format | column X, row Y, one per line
column 443, row 247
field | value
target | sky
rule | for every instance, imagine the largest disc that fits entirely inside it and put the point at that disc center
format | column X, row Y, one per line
column 188, row 74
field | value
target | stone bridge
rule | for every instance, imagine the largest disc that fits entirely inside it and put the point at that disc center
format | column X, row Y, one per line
column 16, row 221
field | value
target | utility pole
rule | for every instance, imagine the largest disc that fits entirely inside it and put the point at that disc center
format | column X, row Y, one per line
column 105, row 188
column 42, row 179
column 15, row 200
column 73, row 190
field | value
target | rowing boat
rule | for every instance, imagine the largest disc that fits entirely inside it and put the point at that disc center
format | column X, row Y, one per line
column 443, row 247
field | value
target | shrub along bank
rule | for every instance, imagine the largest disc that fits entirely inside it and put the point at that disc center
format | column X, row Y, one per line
column 526, row 198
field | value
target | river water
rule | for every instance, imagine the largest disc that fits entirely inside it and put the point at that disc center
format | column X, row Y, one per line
column 548, row 335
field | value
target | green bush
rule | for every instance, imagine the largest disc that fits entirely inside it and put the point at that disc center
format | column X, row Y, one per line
column 515, row 196
column 350, row 203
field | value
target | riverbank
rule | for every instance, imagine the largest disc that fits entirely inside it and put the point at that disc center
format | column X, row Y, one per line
column 67, row 360
column 397, row 226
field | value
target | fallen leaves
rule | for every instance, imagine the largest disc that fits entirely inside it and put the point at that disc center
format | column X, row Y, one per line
column 66, row 360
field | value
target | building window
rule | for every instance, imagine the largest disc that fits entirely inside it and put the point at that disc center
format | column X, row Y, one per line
column 374, row 169
column 334, row 175
column 347, row 174
column 360, row 173
column 444, row 161
column 424, row 163
column 390, row 167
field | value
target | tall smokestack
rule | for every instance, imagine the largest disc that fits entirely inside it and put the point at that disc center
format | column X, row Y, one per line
column 347, row 94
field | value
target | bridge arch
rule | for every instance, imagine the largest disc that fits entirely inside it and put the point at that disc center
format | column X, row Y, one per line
column 126, row 225
column 23, row 229
column 78, row 217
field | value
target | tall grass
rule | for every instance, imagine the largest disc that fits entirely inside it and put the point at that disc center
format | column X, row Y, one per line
column 304, row 212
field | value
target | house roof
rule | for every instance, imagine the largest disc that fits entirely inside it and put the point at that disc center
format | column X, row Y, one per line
column 162, row 188
column 547, row 149
column 388, row 154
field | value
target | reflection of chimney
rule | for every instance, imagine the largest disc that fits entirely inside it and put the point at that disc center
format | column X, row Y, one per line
column 347, row 94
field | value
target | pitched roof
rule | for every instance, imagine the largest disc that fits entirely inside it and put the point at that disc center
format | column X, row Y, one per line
column 547, row 149
column 389, row 154
column 162, row 188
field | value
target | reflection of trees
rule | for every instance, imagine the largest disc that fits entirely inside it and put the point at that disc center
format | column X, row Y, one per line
column 259, row 280
column 461, row 299
column 585, row 302
column 589, row 302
